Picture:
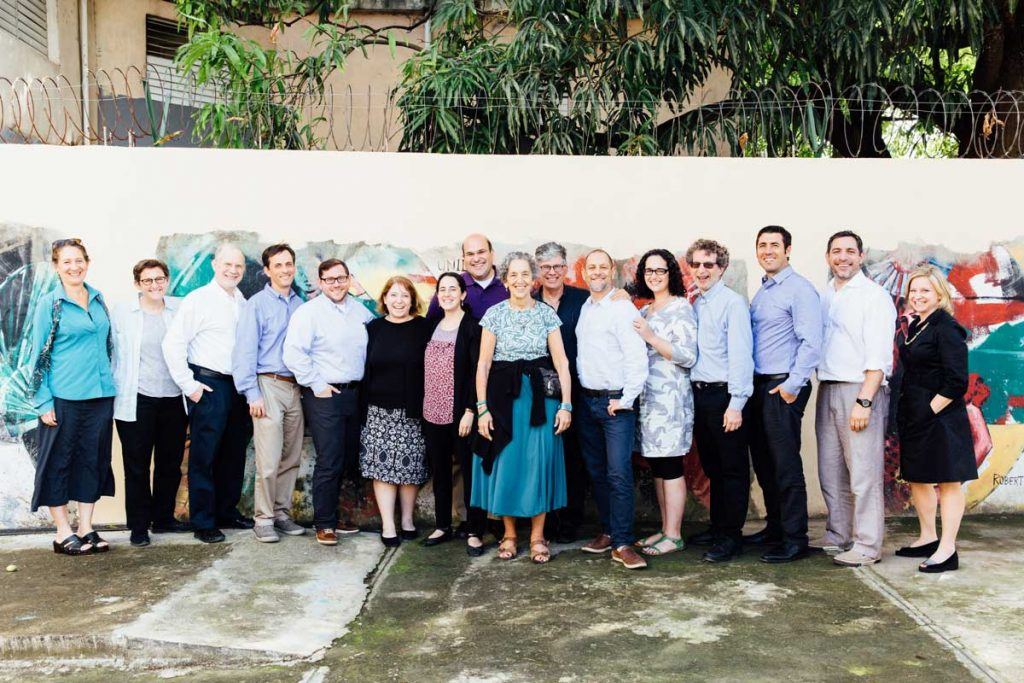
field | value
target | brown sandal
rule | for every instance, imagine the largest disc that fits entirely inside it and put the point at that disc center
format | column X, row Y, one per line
column 544, row 555
column 504, row 551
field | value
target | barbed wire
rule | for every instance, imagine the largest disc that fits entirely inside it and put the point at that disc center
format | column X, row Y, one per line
column 157, row 105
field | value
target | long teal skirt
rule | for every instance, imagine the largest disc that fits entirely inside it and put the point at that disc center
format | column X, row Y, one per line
column 528, row 476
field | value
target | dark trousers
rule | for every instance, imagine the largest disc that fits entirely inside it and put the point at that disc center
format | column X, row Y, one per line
column 607, row 445
column 220, row 429
column 725, row 459
column 774, row 429
column 442, row 442
column 157, row 435
column 334, row 425
column 571, row 516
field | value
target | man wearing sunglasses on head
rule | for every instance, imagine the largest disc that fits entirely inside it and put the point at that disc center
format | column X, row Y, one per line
column 325, row 349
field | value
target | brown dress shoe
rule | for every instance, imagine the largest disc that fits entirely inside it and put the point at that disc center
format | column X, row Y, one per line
column 326, row 537
column 628, row 557
column 602, row 543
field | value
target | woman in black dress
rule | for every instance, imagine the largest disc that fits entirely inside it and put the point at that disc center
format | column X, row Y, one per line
column 936, row 447
column 393, row 452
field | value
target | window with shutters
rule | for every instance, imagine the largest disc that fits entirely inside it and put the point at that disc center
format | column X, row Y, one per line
column 165, row 81
column 26, row 21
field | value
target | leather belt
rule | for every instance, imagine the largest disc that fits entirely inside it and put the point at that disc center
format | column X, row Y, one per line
column 206, row 372
column 769, row 378
column 279, row 378
column 602, row 393
column 345, row 385
column 710, row 385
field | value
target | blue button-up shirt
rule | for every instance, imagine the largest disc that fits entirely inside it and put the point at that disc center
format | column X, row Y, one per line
column 79, row 361
column 259, row 339
column 725, row 344
column 786, row 319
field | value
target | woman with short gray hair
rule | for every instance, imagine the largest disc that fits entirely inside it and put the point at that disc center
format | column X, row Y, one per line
column 520, row 468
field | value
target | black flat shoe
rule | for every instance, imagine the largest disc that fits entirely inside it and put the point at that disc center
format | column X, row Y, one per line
column 390, row 541
column 409, row 534
column 72, row 545
column 139, row 539
column 477, row 551
column 785, row 552
column 446, row 535
column 236, row 521
column 727, row 549
column 172, row 527
column 951, row 563
column 926, row 550
column 209, row 535
column 763, row 537
column 98, row 544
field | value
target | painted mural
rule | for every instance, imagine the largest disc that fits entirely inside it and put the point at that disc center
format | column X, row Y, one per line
column 989, row 301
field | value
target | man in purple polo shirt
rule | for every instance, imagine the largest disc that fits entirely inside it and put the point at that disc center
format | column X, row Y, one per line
column 483, row 286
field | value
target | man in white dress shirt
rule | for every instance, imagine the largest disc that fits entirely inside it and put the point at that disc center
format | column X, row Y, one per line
column 853, row 400
column 325, row 348
column 198, row 348
column 612, row 366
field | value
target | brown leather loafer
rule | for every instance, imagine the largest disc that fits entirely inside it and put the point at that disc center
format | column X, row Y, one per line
column 326, row 537
column 602, row 543
column 628, row 558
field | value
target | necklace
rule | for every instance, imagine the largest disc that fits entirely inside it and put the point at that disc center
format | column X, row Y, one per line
column 916, row 334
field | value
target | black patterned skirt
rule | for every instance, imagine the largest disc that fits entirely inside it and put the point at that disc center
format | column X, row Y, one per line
column 392, row 448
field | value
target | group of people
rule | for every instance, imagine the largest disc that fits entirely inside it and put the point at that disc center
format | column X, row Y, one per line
column 516, row 386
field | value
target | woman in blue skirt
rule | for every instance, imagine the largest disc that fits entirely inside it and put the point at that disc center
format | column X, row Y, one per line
column 520, row 471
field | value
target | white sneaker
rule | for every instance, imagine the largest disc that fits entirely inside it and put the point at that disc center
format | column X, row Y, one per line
column 265, row 533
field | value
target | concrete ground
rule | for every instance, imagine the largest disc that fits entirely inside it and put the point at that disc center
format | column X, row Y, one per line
column 296, row 611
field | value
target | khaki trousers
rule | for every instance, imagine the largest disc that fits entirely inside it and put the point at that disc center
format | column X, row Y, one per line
column 277, row 438
column 851, row 468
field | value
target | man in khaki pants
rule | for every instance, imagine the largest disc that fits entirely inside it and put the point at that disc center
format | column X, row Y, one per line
column 272, row 393
column 853, row 399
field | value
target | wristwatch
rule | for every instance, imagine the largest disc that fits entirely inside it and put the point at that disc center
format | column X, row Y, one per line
column 865, row 402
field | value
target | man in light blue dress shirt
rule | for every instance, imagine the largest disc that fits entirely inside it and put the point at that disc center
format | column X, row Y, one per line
column 326, row 349
column 722, row 382
column 785, row 316
column 270, row 390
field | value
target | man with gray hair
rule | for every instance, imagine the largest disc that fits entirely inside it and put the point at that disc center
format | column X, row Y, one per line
column 563, row 525
column 198, row 348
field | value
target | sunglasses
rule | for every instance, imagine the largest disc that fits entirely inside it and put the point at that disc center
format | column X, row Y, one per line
column 708, row 265
column 67, row 242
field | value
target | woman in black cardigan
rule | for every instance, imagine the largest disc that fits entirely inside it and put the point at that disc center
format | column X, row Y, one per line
column 449, row 408
column 393, row 452
column 936, row 447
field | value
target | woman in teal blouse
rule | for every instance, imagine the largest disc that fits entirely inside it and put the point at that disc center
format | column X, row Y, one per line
column 74, row 396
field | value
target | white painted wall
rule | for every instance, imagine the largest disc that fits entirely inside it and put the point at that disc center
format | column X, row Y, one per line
column 121, row 200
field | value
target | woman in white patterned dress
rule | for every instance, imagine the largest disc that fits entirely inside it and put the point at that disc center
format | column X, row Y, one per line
column 669, row 327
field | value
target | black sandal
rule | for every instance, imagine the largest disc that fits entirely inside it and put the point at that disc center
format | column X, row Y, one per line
column 72, row 545
column 94, row 538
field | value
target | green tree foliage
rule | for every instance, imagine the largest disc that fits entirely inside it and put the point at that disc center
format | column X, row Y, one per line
column 839, row 77
column 613, row 76
column 261, row 87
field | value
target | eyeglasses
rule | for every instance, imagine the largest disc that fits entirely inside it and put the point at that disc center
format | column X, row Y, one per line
column 708, row 265
column 660, row 272
column 150, row 281
column 552, row 268
column 340, row 280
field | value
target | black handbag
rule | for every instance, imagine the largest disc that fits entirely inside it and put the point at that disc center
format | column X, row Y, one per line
column 552, row 385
